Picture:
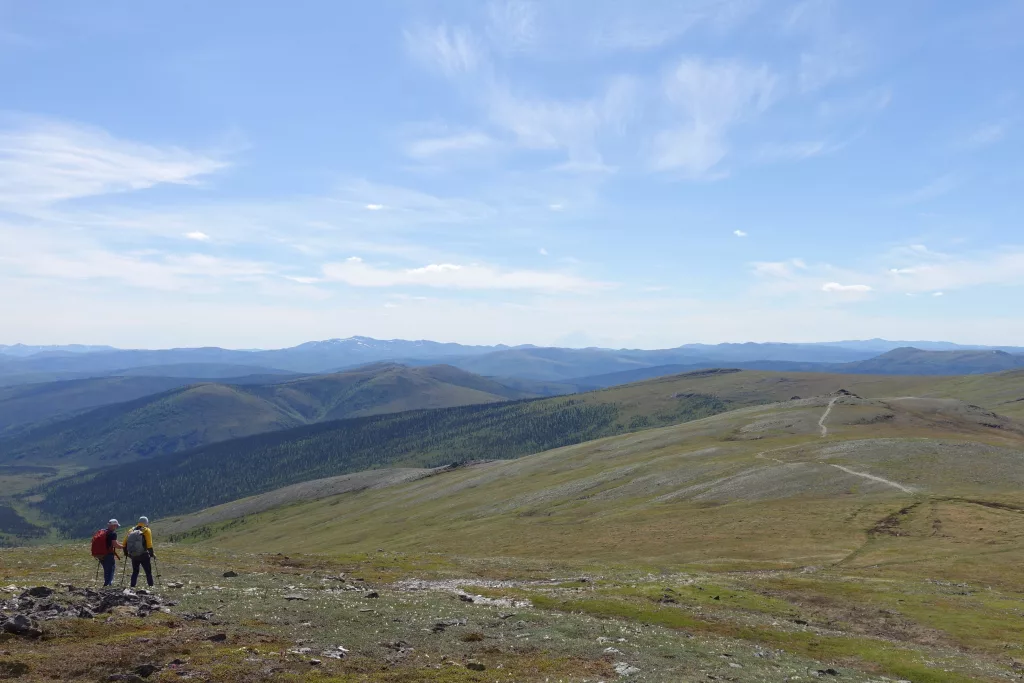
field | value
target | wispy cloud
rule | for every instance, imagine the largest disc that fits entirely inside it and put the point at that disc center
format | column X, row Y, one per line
column 197, row 236
column 452, row 50
column 44, row 161
column 845, row 289
column 374, row 207
column 512, row 25
column 355, row 272
column 911, row 269
column 459, row 143
column 739, row 233
column 712, row 97
column 938, row 187
column 987, row 135
column 571, row 126
column 835, row 52
column 779, row 269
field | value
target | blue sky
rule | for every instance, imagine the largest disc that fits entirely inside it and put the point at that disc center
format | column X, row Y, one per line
column 258, row 174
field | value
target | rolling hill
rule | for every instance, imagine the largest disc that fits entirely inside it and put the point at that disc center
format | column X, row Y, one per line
column 801, row 478
column 902, row 361
column 28, row 403
column 200, row 414
column 241, row 467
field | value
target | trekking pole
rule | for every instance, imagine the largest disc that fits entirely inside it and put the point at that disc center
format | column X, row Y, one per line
column 98, row 565
column 124, row 569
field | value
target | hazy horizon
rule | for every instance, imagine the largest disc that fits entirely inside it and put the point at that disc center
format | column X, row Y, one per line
column 572, row 173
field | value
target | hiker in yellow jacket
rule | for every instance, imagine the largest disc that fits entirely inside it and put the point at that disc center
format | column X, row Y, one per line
column 139, row 547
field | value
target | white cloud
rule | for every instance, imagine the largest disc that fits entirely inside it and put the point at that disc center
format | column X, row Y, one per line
column 796, row 151
column 739, row 233
column 355, row 272
column 542, row 251
column 451, row 50
column 374, row 207
column 47, row 161
column 472, row 141
column 986, row 135
column 935, row 272
column 938, row 187
column 53, row 260
column 512, row 25
column 197, row 236
column 836, row 287
column 834, row 52
column 556, row 207
column 938, row 294
column 571, row 126
column 779, row 269
column 712, row 96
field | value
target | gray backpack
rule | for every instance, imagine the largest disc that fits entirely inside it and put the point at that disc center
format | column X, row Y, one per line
column 135, row 544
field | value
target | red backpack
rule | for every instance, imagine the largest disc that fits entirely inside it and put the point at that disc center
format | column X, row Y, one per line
column 99, row 543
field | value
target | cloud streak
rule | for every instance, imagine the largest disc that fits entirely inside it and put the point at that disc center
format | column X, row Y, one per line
column 356, row 273
column 711, row 97
column 43, row 162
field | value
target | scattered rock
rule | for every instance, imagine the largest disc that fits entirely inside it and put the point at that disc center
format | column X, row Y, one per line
column 146, row 670
column 828, row 672
column 218, row 638
column 21, row 625
column 612, row 651
column 175, row 584
column 295, row 596
column 465, row 598
column 373, row 594
column 315, row 662
column 506, row 616
column 230, row 574
column 38, row 592
column 442, row 625
column 197, row 616
column 624, row 669
column 85, row 613
column 13, row 669
column 474, row 665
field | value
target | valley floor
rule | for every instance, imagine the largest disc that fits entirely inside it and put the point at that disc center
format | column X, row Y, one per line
column 387, row 616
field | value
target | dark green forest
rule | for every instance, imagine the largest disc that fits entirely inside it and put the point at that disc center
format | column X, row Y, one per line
column 221, row 472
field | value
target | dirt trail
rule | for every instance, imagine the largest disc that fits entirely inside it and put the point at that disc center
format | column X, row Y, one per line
column 821, row 422
column 901, row 487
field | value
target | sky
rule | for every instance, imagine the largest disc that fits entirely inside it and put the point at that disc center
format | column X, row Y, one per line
column 558, row 172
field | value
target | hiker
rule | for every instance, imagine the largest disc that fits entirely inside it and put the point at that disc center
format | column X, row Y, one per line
column 138, row 545
column 104, row 549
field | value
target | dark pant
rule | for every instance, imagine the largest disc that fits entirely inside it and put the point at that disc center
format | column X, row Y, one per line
column 109, row 569
column 143, row 562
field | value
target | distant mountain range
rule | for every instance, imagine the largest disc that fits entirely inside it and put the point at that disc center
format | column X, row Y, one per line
column 189, row 416
column 21, row 364
column 902, row 361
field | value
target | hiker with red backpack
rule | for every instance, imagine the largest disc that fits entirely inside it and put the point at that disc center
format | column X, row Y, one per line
column 139, row 547
column 104, row 549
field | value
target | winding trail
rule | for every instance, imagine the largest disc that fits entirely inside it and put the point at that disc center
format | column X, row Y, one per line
column 880, row 480
column 764, row 455
column 821, row 422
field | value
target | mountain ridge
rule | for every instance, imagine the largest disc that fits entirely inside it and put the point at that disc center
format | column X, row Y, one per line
column 198, row 414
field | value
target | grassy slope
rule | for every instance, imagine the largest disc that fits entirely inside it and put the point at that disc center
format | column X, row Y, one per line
column 730, row 548
column 756, row 487
column 249, row 466
column 207, row 413
column 28, row 403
